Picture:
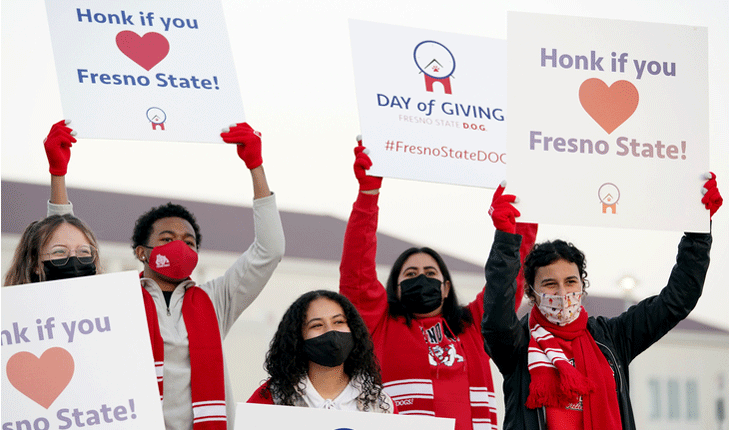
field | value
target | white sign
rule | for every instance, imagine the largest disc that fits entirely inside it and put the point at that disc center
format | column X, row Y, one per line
column 431, row 104
column 608, row 122
column 141, row 70
column 255, row 416
column 76, row 353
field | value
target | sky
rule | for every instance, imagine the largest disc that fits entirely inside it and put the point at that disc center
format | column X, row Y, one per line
column 294, row 66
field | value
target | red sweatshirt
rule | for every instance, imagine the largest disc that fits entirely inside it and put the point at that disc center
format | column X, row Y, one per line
column 424, row 371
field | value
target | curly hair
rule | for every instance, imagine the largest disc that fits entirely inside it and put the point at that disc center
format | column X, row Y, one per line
column 457, row 317
column 143, row 226
column 546, row 253
column 27, row 266
column 287, row 363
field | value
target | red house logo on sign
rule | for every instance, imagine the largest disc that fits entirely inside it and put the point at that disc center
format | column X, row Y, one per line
column 436, row 63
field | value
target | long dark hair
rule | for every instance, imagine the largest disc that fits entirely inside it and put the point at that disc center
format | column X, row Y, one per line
column 287, row 363
column 457, row 317
column 27, row 266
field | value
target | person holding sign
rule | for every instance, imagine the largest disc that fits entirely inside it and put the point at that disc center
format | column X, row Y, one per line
column 322, row 357
column 430, row 348
column 187, row 322
column 562, row 368
column 60, row 246
column 192, row 320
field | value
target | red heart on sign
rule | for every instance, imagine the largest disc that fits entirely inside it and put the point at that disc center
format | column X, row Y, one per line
column 147, row 51
column 608, row 106
column 41, row 379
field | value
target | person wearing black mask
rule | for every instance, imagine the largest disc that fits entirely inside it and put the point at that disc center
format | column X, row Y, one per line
column 56, row 247
column 322, row 357
column 429, row 346
column 60, row 246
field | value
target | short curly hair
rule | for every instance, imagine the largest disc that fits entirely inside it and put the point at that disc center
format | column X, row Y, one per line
column 287, row 362
column 143, row 226
column 546, row 253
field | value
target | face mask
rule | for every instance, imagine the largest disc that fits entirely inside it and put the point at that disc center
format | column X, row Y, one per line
column 175, row 260
column 420, row 295
column 560, row 310
column 329, row 349
column 72, row 269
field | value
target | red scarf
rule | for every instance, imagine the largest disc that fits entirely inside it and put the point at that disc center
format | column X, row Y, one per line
column 207, row 380
column 555, row 382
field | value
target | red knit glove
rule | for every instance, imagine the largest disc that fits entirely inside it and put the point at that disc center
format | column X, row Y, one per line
column 58, row 145
column 248, row 141
column 362, row 163
column 502, row 212
column 712, row 200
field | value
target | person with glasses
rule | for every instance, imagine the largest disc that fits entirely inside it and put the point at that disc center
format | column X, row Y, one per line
column 59, row 246
column 429, row 346
column 56, row 247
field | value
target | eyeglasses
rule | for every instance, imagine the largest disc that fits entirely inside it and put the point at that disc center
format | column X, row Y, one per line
column 60, row 254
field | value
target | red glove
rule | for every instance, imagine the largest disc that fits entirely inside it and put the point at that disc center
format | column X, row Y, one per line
column 362, row 163
column 58, row 145
column 248, row 141
column 712, row 200
column 502, row 212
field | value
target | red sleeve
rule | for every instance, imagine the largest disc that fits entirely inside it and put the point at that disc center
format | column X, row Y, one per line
column 528, row 232
column 358, row 274
column 259, row 396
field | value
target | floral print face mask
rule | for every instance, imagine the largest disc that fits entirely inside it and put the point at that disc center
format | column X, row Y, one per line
column 560, row 310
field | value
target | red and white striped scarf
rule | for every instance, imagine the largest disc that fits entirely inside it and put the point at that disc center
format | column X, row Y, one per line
column 207, row 380
column 556, row 383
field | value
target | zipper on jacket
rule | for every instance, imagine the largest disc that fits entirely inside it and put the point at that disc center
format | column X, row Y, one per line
column 617, row 366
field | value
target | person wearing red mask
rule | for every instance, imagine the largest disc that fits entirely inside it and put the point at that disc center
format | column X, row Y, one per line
column 562, row 368
column 187, row 321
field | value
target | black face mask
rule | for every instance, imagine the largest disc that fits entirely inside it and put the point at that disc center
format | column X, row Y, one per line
column 72, row 269
column 329, row 349
column 420, row 295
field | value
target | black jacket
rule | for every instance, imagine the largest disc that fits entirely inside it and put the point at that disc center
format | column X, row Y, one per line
column 620, row 339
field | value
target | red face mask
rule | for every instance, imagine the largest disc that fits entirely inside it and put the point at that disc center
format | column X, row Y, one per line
column 175, row 260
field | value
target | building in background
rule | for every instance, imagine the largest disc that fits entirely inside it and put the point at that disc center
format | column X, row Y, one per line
column 679, row 383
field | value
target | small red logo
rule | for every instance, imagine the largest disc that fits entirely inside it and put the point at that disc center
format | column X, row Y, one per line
column 436, row 63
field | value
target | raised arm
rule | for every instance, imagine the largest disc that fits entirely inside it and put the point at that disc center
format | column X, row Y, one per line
column 245, row 279
column 248, row 145
column 358, row 274
column 58, row 145
column 504, row 338
column 643, row 324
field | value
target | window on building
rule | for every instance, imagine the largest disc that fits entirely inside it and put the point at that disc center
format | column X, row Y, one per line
column 654, row 390
column 674, row 405
column 692, row 400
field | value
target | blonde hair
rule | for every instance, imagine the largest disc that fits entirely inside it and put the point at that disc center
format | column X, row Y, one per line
column 27, row 266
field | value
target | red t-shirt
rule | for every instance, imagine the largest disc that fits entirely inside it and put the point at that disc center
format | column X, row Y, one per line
column 448, row 372
column 569, row 417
